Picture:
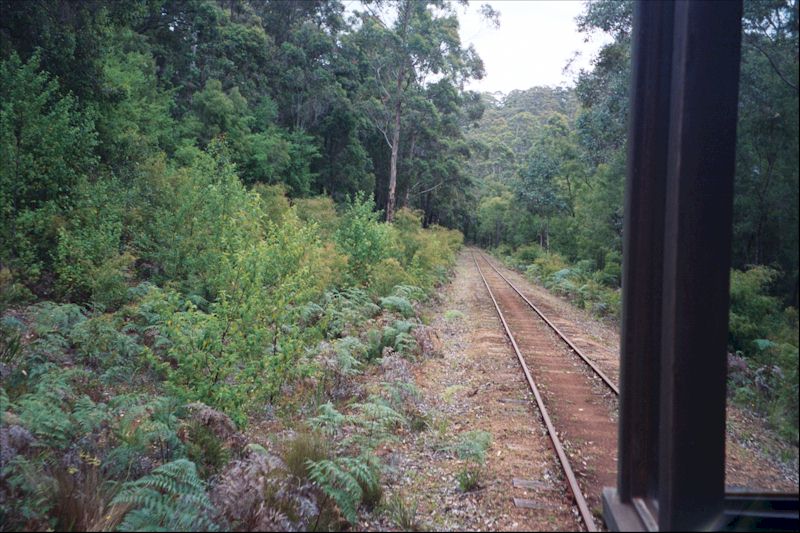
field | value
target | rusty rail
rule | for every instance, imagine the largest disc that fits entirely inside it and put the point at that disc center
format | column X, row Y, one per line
column 580, row 500
column 611, row 385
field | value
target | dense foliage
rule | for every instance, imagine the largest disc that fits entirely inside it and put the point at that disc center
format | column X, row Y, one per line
column 548, row 192
column 189, row 240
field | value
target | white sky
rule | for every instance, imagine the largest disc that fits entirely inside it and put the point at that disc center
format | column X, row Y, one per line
column 535, row 41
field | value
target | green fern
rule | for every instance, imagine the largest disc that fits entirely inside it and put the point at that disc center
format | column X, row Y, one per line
column 349, row 353
column 146, row 428
column 53, row 317
column 171, row 498
column 345, row 480
column 46, row 412
column 400, row 393
column 345, row 308
column 405, row 343
column 329, row 420
column 376, row 412
column 409, row 292
column 398, row 304
column 374, row 421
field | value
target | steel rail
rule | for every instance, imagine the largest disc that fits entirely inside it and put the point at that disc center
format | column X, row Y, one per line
column 580, row 500
column 611, row 385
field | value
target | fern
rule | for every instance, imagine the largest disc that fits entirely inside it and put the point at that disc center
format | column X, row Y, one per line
column 172, row 497
column 146, row 430
column 329, row 420
column 53, row 317
column 349, row 351
column 405, row 343
column 398, row 304
column 345, row 308
column 345, row 480
column 375, row 420
column 409, row 292
column 41, row 411
column 403, row 326
column 89, row 416
column 400, row 393
column 375, row 412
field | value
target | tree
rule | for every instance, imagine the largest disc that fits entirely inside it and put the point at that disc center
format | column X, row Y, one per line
column 402, row 56
column 46, row 146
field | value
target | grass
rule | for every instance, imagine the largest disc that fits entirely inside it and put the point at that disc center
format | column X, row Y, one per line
column 472, row 446
column 449, row 393
column 468, row 477
column 403, row 513
column 453, row 314
column 305, row 447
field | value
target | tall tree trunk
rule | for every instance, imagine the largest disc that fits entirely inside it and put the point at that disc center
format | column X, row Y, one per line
column 398, row 107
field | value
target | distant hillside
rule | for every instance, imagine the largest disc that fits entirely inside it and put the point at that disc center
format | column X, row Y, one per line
column 509, row 127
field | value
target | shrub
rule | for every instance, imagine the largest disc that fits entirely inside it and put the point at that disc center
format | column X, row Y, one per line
column 46, row 145
column 90, row 265
column 12, row 291
column 753, row 312
column 274, row 203
column 527, row 254
column 362, row 238
column 320, row 210
column 386, row 275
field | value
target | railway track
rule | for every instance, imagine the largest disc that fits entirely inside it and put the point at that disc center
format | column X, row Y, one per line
column 570, row 390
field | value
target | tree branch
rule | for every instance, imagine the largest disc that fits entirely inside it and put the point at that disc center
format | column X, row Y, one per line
column 774, row 66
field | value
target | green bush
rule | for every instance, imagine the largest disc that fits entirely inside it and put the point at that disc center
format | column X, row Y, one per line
column 362, row 238
column 399, row 305
column 527, row 254
column 12, row 292
column 46, row 146
column 387, row 274
column 754, row 314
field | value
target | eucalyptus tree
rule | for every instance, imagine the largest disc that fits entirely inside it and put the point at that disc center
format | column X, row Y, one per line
column 405, row 45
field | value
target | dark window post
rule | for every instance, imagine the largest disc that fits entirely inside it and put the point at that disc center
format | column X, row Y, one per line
column 644, row 233
column 678, row 223
column 697, row 262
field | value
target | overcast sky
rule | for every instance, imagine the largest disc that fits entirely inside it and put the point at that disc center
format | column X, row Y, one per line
column 535, row 41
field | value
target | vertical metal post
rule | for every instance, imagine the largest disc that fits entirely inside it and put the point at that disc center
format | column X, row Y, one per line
column 697, row 258
column 678, row 225
column 644, row 230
